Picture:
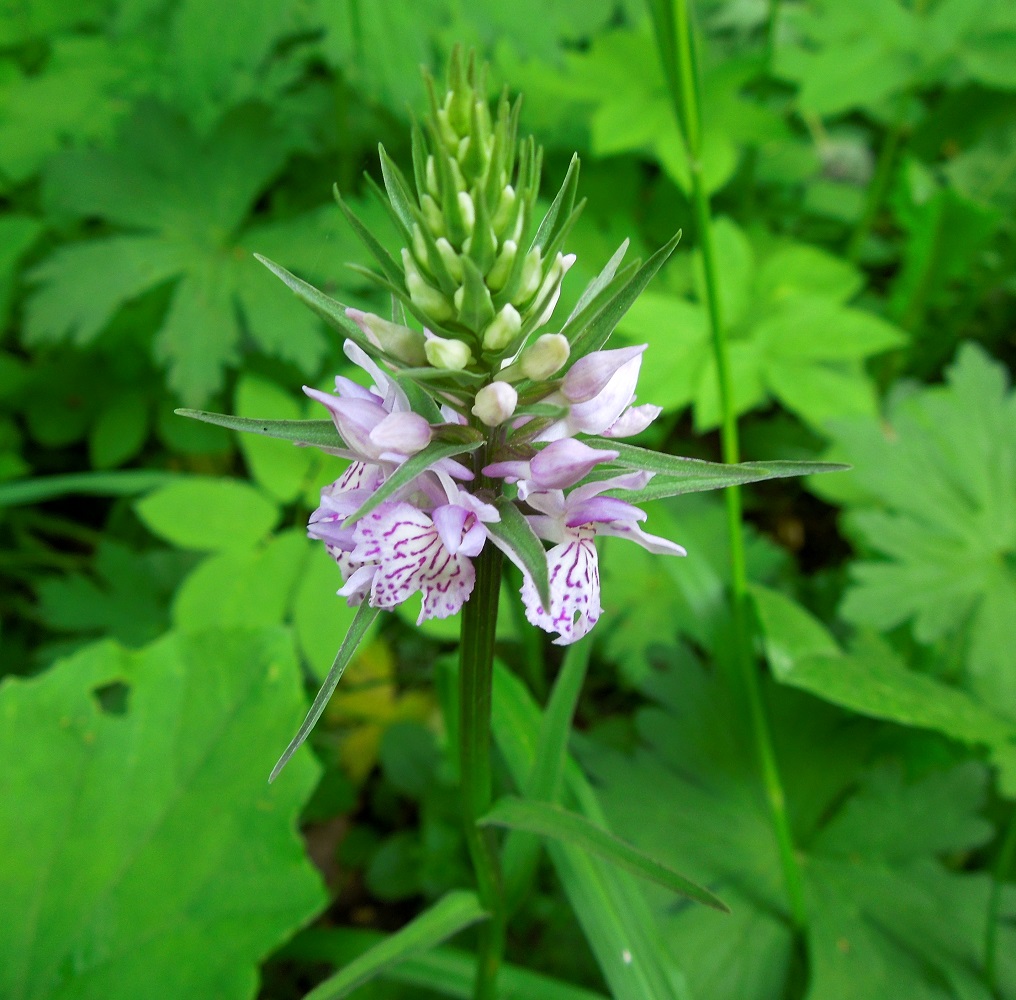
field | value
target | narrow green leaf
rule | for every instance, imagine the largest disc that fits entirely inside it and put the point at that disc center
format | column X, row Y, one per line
column 564, row 200
column 522, row 851
column 387, row 263
column 362, row 621
column 677, row 475
column 95, row 484
column 477, row 308
column 318, row 433
column 449, row 915
column 447, row 971
column 409, row 470
column 516, row 537
column 398, row 190
column 570, row 828
column 600, row 281
column 332, row 312
column 601, row 326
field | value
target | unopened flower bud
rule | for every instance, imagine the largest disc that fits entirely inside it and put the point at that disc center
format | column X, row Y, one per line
column 399, row 341
column 432, row 215
column 532, row 274
column 419, row 243
column 447, row 353
column 430, row 172
column 502, row 329
column 451, row 259
column 545, row 356
column 501, row 269
column 505, row 207
column 468, row 210
column 495, row 403
column 550, row 290
column 405, row 433
column 424, row 296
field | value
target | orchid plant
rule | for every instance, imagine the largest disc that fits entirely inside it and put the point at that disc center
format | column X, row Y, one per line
column 490, row 426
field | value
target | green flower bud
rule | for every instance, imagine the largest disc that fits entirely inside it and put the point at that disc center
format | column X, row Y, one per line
column 447, row 353
column 502, row 329
column 451, row 259
column 505, row 209
column 419, row 243
column 400, row 342
column 495, row 403
column 425, row 297
column 431, row 174
column 532, row 275
column 432, row 215
column 544, row 357
column 468, row 211
column 501, row 269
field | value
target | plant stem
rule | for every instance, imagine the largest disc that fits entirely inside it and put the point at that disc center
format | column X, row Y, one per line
column 688, row 114
column 476, row 665
column 1003, row 865
column 877, row 191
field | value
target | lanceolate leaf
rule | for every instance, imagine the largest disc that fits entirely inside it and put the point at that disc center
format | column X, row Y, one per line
column 319, row 433
column 332, row 312
column 551, row 821
column 409, row 470
column 514, row 535
column 448, row 916
column 595, row 335
column 363, row 620
column 562, row 203
column 676, row 475
column 600, row 281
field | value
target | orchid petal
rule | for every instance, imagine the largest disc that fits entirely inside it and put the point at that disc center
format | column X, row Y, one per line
column 634, row 420
column 589, row 376
column 574, row 592
column 563, row 463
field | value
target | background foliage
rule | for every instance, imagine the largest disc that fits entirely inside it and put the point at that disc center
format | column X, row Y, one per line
column 162, row 607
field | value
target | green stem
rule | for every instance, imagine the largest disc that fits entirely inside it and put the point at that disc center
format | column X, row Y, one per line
column 877, row 191
column 1003, row 865
column 476, row 665
column 687, row 99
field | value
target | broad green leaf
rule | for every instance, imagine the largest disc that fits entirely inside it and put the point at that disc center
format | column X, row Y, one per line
column 873, row 680
column 175, row 842
column 123, row 595
column 190, row 197
column 409, row 470
column 101, row 484
column 17, row 234
column 446, row 917
column 937, row 512
column 243, row 588
column 876, row 847
column 319, row 433
column 211, row 515
column 516, row 535
column 443, row 970
column 119, row 432
column 362, row 621
column 551, row 821
column 81, row 93
column 792, row 335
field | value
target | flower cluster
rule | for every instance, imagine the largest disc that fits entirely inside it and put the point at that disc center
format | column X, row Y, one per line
column 475, row 407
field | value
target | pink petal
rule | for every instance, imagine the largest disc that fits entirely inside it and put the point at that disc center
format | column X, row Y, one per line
column 563, row 463
column 634, row 420
column 403, row 433
column 589, row 376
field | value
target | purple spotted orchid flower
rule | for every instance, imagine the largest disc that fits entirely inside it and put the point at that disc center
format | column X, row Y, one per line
column 425, row 534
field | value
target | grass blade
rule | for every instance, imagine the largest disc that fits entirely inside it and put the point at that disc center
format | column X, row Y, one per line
column 449, row 915
column 126, row 483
